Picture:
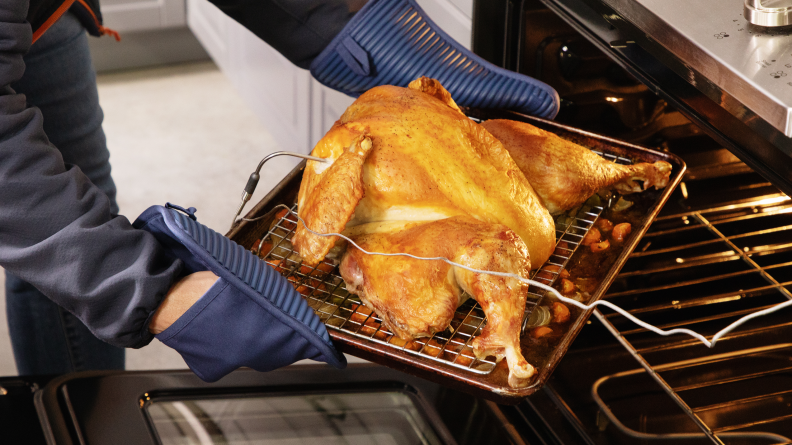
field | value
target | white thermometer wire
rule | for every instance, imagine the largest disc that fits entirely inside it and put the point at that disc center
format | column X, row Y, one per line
column 585, row 307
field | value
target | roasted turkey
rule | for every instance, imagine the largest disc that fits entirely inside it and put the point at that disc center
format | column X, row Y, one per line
column 408, row 172
column 411, row 173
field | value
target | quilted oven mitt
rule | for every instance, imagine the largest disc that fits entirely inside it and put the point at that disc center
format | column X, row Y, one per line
column 251, row 316
column 393, row 42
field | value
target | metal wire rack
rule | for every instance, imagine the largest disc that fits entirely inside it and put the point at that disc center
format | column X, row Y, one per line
column 326, row 293
column 702, row 270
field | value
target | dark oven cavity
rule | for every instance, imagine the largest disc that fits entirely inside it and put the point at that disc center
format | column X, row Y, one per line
column 720, row 249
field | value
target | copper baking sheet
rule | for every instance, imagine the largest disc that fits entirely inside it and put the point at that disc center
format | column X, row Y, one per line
column 447, row 357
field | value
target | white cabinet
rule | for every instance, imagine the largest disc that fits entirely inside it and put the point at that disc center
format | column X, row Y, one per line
column 143, row 15
column 211, row 27
column 295, row 108
column 326, row 107
column 278, row 92
column 455, row 17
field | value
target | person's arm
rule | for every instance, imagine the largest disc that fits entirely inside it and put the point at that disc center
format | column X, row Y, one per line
column 56, row 230
column 298, row 29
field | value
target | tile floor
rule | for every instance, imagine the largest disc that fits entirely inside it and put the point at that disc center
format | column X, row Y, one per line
column 180, row 134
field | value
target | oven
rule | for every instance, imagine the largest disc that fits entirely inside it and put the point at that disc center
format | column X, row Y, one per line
column 720, row 248
column 664, row 75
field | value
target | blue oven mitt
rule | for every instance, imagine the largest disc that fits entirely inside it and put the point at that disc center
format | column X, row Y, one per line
column 393, row 42
column 251, row 316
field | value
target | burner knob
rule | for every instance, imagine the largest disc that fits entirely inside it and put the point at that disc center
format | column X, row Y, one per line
column 768, row 13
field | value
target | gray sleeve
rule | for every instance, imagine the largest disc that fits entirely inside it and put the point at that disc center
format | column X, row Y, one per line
column 298, row 29
column 56, row 230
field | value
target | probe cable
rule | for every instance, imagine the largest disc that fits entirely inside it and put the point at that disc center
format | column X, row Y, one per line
column 585, row 307
column 253, row 180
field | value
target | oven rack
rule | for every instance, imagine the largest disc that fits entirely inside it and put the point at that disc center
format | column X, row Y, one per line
column 326, row 293
column 702, row 270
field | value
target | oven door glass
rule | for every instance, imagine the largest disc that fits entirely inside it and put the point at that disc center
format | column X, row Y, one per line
column 386, row 418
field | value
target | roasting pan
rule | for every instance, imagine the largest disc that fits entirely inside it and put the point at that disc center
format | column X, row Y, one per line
column 446, row 357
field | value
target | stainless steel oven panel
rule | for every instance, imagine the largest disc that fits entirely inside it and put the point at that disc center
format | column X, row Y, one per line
column 712, row 37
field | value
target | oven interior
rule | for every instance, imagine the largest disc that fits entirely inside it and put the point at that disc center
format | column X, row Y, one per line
column 720, row 249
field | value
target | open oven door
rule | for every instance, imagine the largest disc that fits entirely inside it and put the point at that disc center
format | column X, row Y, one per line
column 364, row 404
column 297, row 405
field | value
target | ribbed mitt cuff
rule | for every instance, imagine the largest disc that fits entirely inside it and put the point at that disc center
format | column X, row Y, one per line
column 393, row 42
column 251, row 316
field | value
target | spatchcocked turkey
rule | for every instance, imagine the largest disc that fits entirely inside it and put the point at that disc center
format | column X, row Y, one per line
column 410, row 173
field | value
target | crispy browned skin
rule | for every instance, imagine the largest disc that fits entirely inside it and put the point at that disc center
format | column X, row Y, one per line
column 327, row 205
column 564, row 174
column 428, row 162
column 416, row 298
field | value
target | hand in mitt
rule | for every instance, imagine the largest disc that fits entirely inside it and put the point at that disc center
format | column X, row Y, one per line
column 393, row 42
column 251, row 315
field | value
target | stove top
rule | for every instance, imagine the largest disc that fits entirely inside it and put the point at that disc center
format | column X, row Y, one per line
column 751, row 64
